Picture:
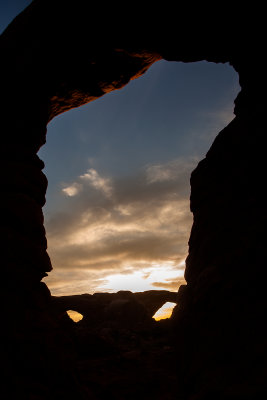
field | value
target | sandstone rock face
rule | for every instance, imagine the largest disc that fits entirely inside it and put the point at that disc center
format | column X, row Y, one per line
column 50, row 64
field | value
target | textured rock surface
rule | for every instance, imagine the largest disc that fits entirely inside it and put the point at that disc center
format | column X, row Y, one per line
column 50, row 64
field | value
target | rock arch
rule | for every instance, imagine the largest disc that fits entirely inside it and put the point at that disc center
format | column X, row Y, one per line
column 91, row 306
column 54, row 60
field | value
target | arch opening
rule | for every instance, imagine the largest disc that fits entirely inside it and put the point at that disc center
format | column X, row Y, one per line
column 75, row 316
column 115, row 192
column 164, row 312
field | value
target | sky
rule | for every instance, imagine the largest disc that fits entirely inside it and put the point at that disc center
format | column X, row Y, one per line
column 117, row 215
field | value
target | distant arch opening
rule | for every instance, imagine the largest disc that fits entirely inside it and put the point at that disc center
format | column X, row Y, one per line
column 75, row 315
column 164, row 312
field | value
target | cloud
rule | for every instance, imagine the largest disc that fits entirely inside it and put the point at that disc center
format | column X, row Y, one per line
column 170, row 284
column 72, row 190
column 218, row 120
column 92, row 179
column 173, row 170
column 98, row 182
column 68, row 282
column 123, row 225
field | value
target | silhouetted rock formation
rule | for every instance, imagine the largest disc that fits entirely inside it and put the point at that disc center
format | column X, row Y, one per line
column 119, row 337
column 124, row 307
column 54, row 57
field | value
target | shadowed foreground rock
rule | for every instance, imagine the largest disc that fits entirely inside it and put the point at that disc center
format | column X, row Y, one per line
column 119, row 337
column 53, row 58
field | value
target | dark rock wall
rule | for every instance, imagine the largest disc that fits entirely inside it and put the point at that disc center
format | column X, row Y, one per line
column 53, row 61
column 221, row 312
column 221, row 317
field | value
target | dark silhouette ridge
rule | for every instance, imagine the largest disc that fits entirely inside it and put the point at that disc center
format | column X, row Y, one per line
column 101, row 306
column 53, row 58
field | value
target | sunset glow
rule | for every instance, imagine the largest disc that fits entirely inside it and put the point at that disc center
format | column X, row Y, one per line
column 132, row 234
column 156, row 277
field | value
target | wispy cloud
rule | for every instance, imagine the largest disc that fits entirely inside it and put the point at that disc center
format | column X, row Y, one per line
column 123, row 225
column 98, row 182
column 90, row 178
column 72, row 190
column 218, row 120
column 170, row 284
column 173, row 170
